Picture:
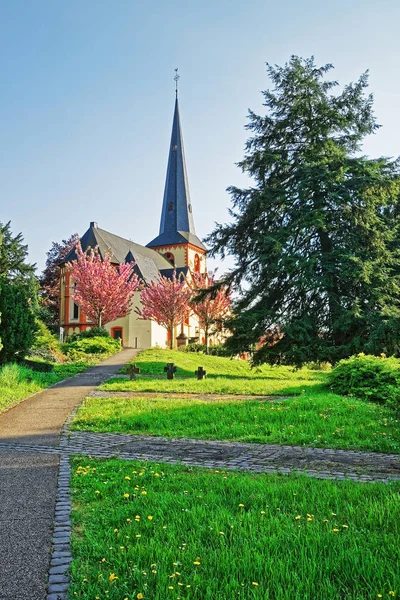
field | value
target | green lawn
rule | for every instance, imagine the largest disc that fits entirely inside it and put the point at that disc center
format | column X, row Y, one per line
column 17, row 382
column 161, row 532
column 224, row 376
column 319, row 419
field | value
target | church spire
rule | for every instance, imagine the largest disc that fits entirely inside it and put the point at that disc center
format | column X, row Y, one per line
column 177, row 224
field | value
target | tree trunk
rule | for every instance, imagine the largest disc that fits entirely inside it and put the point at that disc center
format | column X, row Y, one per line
column 206, row 337
column 99, row 321
column 171, row 337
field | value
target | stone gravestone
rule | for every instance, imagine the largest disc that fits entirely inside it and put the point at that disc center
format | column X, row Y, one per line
column 170, row 370
column 133, row 370
column 200, row 373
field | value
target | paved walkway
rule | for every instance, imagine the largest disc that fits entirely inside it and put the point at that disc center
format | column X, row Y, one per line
column 28, row 479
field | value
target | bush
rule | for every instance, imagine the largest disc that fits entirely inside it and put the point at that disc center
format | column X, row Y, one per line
column 39, row 366
column 78, row 349
column 46, row 345
column 369, row 378
column 94, row 332
column 219, row 350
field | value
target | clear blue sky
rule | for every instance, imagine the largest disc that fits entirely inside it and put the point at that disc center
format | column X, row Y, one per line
column 87, row 97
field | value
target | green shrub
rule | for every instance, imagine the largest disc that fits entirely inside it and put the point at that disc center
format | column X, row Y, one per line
column 369, row 378
column 219, row 350
column 94, row 332
column 46, row 345
column 78, row 349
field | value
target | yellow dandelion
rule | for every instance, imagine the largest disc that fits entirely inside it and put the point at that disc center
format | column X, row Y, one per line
column 241, row 505
column 335, row 529
column 115, row 530
column 379, row 595
column 129, row 520
column 254, row 583
column 138, row 535
column 392, row 593
column 298, row 517
column 97, row 492
column 112, row 577
column 150, row 517
column 345, row 526
column 263, row 512
column 144, row 493
column 139, row 596
column 196, row 562
column 126, row 495
column 221, row 533
column 127, row 478
column 170, row 587
column 154, row 571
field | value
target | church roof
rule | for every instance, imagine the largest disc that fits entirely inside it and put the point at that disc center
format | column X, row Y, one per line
column 148, row 262
column 177, row 224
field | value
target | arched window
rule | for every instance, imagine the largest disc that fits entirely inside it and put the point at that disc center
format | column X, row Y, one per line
column 197, row 263
column 170, row 258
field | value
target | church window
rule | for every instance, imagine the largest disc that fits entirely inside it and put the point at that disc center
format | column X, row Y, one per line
column 170, row 258
column 197, row 263
column 76, row 311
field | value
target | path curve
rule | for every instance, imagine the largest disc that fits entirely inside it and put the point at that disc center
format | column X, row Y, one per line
column 28, row 479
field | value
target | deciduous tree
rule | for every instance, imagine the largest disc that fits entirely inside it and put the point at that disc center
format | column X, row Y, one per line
column 102, row 290
column 210, row 308
column 166, row 301
column 49, row 293
column 315, row 246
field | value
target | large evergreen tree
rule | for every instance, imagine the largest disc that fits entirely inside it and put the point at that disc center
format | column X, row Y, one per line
column 13, row 255
column 17, row 326
column 315, row 238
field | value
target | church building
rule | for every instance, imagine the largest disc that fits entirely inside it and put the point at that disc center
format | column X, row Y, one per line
column 176, row 247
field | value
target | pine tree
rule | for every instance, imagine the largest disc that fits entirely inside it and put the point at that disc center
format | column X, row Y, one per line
column 314, row 240
column 13, row 255
column 18, row 325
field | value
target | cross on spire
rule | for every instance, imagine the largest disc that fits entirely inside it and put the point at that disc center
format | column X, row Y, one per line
column 176, row 79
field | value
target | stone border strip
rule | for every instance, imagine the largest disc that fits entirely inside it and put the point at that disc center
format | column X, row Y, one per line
column 61, row 557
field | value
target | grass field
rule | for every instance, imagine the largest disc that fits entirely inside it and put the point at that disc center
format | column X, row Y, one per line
column 161, row 532
column 224, row 376
column 313, row 419
column 17, row 382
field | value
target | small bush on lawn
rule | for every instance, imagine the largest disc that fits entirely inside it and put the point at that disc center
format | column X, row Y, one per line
column 94, row 332
column 95, row 345
column 219, row 350
column 46, row 346
column 369, row 378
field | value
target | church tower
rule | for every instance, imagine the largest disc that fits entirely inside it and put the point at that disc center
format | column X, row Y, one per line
column 177, row 240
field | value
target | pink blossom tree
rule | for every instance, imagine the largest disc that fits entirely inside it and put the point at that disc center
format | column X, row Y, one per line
column 102, row 290
column 210, row 308
column 166, row 301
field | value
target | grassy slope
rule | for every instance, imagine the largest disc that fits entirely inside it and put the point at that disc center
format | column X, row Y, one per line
column 344, row 545
column 17, row 382
column 315, row 418
column 224, row 376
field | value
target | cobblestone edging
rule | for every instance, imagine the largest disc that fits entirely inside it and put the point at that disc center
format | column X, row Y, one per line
column 61, row 556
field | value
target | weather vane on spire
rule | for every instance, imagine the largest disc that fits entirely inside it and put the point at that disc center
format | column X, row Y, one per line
column 176, row 79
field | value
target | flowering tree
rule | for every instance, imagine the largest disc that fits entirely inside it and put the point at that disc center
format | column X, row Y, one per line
column 166, row 301
column 103, row 291
column 210, row 308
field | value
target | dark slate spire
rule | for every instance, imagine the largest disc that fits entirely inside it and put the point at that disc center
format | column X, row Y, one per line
column 177, row 225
